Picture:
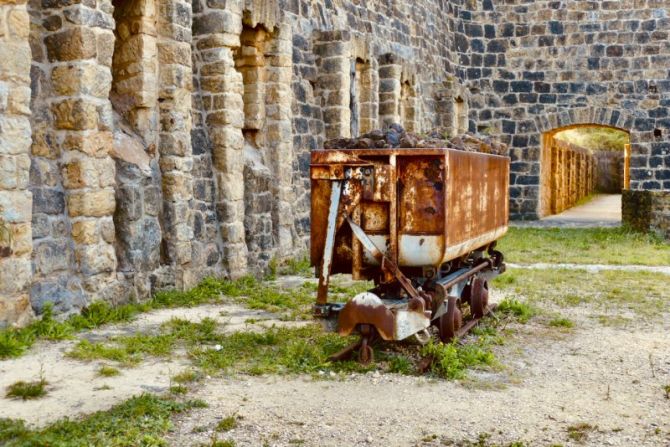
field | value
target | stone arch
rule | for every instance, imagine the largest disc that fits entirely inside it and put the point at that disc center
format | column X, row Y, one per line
column 575, row 161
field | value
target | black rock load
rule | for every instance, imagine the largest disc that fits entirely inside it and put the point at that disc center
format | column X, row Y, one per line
column 395, row 137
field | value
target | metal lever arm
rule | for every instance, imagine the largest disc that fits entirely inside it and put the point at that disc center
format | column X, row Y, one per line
column 387, row 264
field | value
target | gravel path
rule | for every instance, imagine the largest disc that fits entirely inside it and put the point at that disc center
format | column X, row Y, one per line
column 604, row 210
column 595, row 375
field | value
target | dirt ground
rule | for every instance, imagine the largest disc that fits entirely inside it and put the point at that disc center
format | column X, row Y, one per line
column 611, row 379
column 591, row 385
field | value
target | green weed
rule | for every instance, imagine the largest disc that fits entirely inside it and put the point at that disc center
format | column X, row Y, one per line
column 188, row 376
column 400, row 364
column 561, row 322
column 451, row 361
column 108, row 371
column 27, row 390
column 228, row 423
column 142, row 420
column 580, row 432
column 521, row 311
column 666, row 388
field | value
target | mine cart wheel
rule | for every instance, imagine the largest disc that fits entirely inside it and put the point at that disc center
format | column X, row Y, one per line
column 466, row 295
column 451, row 321
column 366, row 354
column 480, row 297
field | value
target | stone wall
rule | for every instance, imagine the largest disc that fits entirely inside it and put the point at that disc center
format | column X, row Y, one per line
column 533, row 67
column 15, row 196
column 171, row 139
column 648, row 211
column 609, row 171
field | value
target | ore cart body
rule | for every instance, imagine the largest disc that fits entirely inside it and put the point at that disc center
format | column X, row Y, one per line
column 422, row 224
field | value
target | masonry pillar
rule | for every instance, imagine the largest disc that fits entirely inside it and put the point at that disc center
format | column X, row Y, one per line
column 216, row 35
column 279, row 138
column 333, row 85
column 175, row 80
column 15, row 141
column 80, row 53
column 390, row 72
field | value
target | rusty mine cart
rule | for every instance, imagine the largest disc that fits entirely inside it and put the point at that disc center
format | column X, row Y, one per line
column 422, row 224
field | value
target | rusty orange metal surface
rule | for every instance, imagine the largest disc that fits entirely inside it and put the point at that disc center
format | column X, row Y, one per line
column 421, row 207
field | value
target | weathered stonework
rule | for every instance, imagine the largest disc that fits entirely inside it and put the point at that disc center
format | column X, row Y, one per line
column 148, row 143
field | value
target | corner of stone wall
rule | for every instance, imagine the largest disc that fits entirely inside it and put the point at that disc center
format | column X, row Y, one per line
column 15, row 196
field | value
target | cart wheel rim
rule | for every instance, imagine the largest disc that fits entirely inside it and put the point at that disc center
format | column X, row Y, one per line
column 365, row 353
column 450, row 323
column 480, row 297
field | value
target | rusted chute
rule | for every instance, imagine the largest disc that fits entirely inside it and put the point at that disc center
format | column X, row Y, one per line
column 422, row 224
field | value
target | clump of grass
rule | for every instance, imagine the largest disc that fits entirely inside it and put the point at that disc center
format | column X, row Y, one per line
column 215, row 442
column 400, row 364
column 521, row 311
column 188, row 376
column 451, row 361
column 228, row 423
column 141, row 420
column 666, row 388
column 561, row 322
column 108, row 371
column 178, row 389
column 299, row 266
column 580, row 432
column 27, row 390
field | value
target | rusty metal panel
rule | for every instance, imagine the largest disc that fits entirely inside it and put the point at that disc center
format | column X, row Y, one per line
column 421, row 194
column 477, row 200
column 320, row 200
column 375, row 217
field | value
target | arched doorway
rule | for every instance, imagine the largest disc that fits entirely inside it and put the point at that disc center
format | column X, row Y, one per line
column 582, row 162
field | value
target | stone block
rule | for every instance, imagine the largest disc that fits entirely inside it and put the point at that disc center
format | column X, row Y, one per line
column 75, row 114
column 91, row 203
column 95, row 259
column 76, row 43
column 64, row 294
column 85, row 232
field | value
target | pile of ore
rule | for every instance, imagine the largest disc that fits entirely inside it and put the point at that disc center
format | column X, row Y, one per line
column 396, row 137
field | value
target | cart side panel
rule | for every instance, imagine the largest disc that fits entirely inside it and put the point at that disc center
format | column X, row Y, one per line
column 477, row 201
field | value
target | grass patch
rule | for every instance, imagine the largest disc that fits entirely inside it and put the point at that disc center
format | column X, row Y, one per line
column 27, row 390
column 188, row 376
column 580, row 432
column 643, row 293
column 226, row 424
column 140, row 421
column 293, row 303
column 178, row 389
column 451, row 361
column 666, row 389
column 275, row 351
column 617, row 246
column 521, row 311
column 108, row 371
column 561, row 322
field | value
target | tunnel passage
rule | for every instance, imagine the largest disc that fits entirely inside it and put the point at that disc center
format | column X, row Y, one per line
column 580, row 161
